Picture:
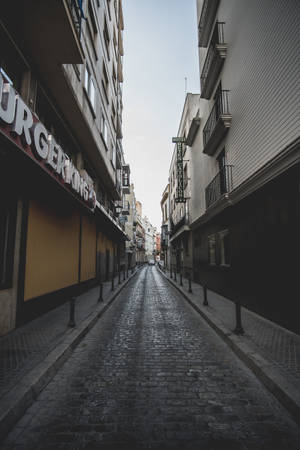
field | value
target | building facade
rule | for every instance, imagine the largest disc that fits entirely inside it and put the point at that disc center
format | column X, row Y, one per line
column 61, row 157
column 130, row 227
column 165, row 227
column 245, row 199
column 150, row 233
column 180, row 181
column 140, row 235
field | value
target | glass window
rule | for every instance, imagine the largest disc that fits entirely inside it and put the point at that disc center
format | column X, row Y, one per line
column 90, row 86
column 104, row 130
column 7, row 241
column 224, row 248
column 212, row 249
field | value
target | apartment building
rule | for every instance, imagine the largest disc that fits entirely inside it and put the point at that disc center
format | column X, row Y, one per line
column 61, row 159
column 180, row 185
column 130, row 227
column 165, row 227
column 245, row 197
column 140, row 234
column 150, row 232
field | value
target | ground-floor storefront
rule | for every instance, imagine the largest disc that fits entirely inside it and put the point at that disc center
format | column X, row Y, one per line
column 53, row 244
column 250, row 251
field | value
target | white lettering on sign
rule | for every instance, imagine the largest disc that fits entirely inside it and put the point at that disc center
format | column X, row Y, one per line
column 23, row 121
column 8, row 101
column 40, row 140
column 14, row 112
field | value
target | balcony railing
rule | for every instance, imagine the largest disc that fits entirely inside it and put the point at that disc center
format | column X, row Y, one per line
column 126, row 209
column 77, row 14
column 214, row 61
column 206, row 21
column 217, row 124
column 220, row 185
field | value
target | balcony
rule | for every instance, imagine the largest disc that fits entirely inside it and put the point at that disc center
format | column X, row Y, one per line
column 208, row 14
column 48, row 30
column 219, row 186
column 126, row 209
column 214, row 61
column 126, row 179
column 218, row 123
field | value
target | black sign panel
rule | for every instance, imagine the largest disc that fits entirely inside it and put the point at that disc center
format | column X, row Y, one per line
column 180, row 181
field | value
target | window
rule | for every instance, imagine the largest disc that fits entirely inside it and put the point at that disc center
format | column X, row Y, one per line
column 106, row 37
column 185, row 176
column 114, row 75
column 224, row 248
column 113, row 154
column 104, row 130
column 89, row 86
column 92, row 27
column 7, row 241
column 115, row 41
column 113, row 115
column 105, row 83
column 212, row 249
column 108, row 7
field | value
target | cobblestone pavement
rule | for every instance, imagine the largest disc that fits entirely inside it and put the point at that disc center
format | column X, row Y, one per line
column 25, row 347
column 151, row 374
column 276, row 344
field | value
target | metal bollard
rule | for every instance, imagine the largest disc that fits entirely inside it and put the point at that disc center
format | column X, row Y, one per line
column 119, row 276
column 132, row 270
column 238, row 328
column 171, row 274
column 72, row 323
column 175, row 276
column 127, row 273
column 124, row 274
column 205, row 302
column 181, row 284
column 190, row 285
column 112, row 282
column 100, row 299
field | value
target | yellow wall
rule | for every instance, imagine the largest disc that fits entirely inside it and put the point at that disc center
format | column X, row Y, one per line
column 104, row 243
column 88, row 248
column 52, row 250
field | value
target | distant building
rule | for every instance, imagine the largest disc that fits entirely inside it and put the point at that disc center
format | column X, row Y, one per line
column 150, row 233
column 157, row 246
column 165, row 208
column 130, row 227
column 140, row 235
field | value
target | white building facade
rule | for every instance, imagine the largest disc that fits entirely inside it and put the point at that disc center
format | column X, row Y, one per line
column 245, row 190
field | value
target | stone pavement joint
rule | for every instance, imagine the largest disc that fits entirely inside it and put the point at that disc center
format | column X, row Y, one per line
column 269, row 350
column 42, row 362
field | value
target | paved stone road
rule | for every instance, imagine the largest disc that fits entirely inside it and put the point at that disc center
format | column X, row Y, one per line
column 152, row 375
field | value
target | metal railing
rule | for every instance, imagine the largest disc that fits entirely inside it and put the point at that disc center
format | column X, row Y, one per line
column 212, row 53
column 221, row 106
column 221, row 184
column 208, row 12
column 77, row 14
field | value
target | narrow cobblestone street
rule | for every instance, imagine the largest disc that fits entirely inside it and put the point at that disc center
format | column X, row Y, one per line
column 151, row 374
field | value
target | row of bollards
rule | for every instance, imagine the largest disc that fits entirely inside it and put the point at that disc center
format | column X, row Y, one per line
column 72, row 322
column 238, row 316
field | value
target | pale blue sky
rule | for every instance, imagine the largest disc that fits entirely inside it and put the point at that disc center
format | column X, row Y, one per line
column 160, row 43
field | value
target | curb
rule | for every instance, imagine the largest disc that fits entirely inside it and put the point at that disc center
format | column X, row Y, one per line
column 285, row 393
column 23, row 395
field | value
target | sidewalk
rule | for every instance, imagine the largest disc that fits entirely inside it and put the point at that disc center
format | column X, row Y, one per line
column 270, row 351
column 31, row 355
